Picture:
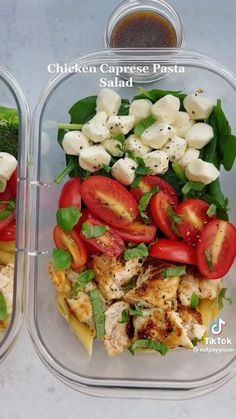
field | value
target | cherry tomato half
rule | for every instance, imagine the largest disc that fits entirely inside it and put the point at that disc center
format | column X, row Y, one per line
column 109, row 200
column 110, row 243
column 138, row 232
column 172, row 250
column 73, row 243
column 70, row 193
column 159, row 206
column 6, row 220
column 85, row 215
column 148, row 182
column 9, row 232
column 13, row 184
column 216, row 249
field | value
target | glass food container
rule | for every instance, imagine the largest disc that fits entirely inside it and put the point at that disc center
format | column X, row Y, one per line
column 182, row 373
column 12, row 96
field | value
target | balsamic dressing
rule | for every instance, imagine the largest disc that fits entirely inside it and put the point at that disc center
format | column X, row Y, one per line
column 143, row 29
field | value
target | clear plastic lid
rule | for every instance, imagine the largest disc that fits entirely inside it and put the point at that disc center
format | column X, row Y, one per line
column 181, row 373
column 12, row 96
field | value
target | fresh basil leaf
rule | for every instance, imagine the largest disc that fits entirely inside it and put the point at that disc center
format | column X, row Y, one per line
column 124, row 107
column 4, row 214
column 3, row 308
column 68, row 217
column 139, row 251
column 222, row 296
column 142, row 170
column 229, row 152
column 154, row 95
column 195, row 186
column 135, row 183
column 136, row 312
column 61, row 259
column 194, row 300
column 124, row 316
column 98, row 312
column 144, row 201
column 209, row 260
column 179, row 171
column 195, row 341
column 148, row 344
column 211, row 210
column 176, row 218
column 120, row 138
column 106, row 168
column 11, row 205
column 130, row 285
column 1, row 185
column 144, row 124
column 174, row 271
column 90, row 230
column 84, row 278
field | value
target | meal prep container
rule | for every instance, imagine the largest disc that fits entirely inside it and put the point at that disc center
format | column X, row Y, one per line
column 12, row 96
column 181, row 373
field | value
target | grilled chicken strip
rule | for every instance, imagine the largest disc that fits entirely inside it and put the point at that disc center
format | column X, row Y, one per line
column 192, row 322
column 153, row 290
column 194, row 282
column 162, row 326
column 111, row 274
column 116, row 338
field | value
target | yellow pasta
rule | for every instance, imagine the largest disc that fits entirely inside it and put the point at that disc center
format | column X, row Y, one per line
column 209, row 310
column 7, row 246
column 81, row 330
column 6, row 257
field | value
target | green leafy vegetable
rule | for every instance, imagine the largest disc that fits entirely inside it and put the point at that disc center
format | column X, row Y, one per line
column 98, row 312
column 144, row 201
column 195, row 186
column 4, row 214
column 139, row 251
column 120, row 138
column 130, row 285
column 1, row 185
column 174, row 271
column 124, row 316
column 106, row 168
column 90, row 230
column 124, row 107
column 9, row 131
column 135, row 183
column 83, row 110
column 136, row 312
column 144, row 124
column 222, row 296
column 84, row 278
column 61, row 259
column 174, row 181
column 3, row 308
column 148, row 344
column 175, row 220
column 142, row 170
column 211, row 210
column 156, row 94
column 72, row 164
column 195, row 341
column 68, row 217
column 209, row 260
column 179, row 171
column 70, row 127
column 194, row 300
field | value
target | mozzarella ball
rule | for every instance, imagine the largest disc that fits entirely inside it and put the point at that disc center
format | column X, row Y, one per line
column 108, row 101
column 3, row 184
column 124, row 171
column 113, row 147
column 182, row 124
column 135, row 145
column 198, row 107
column 73, row 142
column 120, row 124
column 175, row 148
column 166, row 109
column 93, row 158
column 8, row 165
column 201, row 171
column 199, row 135
column 157, row 135
column 190, row 155
column 140, row 109
column 157, row 161
column 95, row 129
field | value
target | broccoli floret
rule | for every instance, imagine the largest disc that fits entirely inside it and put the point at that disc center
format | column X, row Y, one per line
column 9, row 130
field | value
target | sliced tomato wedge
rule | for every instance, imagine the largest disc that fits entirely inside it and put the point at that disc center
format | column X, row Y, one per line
column 85, row 215
column 6, row 195
column 73, row 243
column 193, row 213
column 159, row 206
column 110, row 243
column 216, row 249
column 70, row 193
column 172, row 250
column 109, row 200
column 138, row 232
column 9, row 232
column 148, row 182
column 5, row 220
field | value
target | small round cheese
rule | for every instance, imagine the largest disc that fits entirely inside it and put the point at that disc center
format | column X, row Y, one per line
column 175, row 148
column 95, row 129
column 93, row 158
column 140, row 109
column 157, row 135
column 120, row 124
column 190, row 155
column 157, row 161
column 113, row 147
column 182, row 124
column 199, row 135
column 166, row 109
column 124, row 171
column 198, row 106
column 8, row 165
column 74, row 142
column 135, row 145
column 201, row 171
column 108, row 101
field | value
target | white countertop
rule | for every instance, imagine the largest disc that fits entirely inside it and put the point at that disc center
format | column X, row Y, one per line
column 34, row 33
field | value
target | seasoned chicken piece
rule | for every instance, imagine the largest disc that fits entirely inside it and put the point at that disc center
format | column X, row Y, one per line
column 6, row 287
column 59, row 279
column 153, row 290
column 116, row 338
column 192, row 322
column 162, row 326
column 203, row 288
column 111, row 274
column 81, row 307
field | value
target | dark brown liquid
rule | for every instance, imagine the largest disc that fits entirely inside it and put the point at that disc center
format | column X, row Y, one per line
column 143, row 30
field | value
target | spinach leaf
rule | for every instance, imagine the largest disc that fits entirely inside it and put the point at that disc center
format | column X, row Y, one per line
column 156, row 94
column 124, row 107
column 171, row 177
column 83, row 110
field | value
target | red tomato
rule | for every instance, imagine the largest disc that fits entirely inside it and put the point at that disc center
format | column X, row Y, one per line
column 73, row 243
column 6, row 221
column 216, row 249
column 109, row 200
column 194, row 216
column 110, row 243
column 148, row 182
column 85, row 215
column 172, row 250
column 9, row 233
column 13, row 184
column 138, row 232
column 158, row 207
column 70, row 194
column 6, row 195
